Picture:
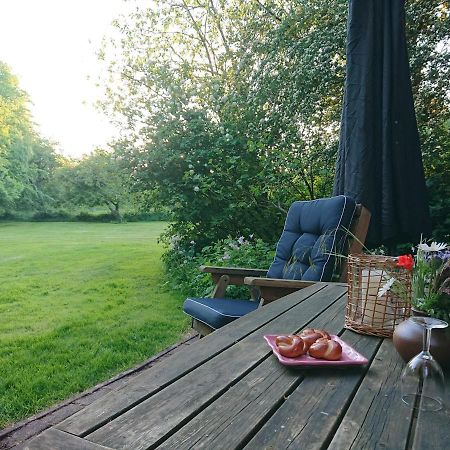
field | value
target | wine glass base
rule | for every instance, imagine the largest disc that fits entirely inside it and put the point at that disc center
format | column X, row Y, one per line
column 422, row 402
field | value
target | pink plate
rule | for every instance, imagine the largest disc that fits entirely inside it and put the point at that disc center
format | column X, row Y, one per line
column 349, row 356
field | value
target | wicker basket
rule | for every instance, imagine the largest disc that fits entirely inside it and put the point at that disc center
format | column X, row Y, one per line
column 367, row 312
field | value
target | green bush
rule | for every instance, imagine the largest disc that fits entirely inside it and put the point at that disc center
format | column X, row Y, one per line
column 51, row 216
column 182, row 263
column 145, row 216
column 89, row 217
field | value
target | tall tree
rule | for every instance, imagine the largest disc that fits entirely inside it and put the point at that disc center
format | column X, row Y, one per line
column 98, row 180
column 231, row 109
column 15, row 137
column 42, row 190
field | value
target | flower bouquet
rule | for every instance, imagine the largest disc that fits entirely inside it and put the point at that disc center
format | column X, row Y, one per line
column 431, row 280
column 430, row 270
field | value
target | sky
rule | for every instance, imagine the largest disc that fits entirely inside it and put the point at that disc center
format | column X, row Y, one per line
column 50, row 46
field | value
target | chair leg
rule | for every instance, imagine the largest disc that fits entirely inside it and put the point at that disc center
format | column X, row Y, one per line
column 202, row 329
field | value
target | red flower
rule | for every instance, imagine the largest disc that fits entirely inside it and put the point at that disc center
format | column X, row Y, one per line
column 406, row 261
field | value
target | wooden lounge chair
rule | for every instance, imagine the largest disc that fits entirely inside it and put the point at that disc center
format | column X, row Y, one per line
column 315, row 231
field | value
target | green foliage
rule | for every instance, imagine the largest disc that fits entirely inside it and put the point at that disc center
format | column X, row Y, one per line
column 224, row 142
column 79, row 303
column 28, row 163
column 182, row 263
column 229, row 110
column 428, row 25
column 16, row 135
column 232, row 108
column 98, row 179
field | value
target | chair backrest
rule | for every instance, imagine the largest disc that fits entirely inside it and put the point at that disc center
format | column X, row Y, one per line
column 314, row 233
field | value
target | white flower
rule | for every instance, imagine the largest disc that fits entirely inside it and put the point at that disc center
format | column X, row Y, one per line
column 434, row 247
column 191, row 166
column 241, row 240
column 196, row 189
column 386, row 287
column 225, row 257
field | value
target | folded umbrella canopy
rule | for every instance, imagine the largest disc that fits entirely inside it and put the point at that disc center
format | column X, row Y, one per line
column 379, row 162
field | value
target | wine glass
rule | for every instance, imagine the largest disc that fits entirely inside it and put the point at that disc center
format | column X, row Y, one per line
column 422, row 380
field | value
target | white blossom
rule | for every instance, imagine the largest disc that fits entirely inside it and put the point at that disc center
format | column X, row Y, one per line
column 196, row 189
column 386, row 287
column 434, row 247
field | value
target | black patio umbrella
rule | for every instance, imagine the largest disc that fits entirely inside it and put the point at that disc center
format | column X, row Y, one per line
column 379, row 161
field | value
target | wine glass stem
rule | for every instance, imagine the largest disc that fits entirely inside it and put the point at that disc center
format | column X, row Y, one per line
column 427, row 339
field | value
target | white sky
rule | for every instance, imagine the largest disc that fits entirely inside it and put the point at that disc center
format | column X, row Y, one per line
column 50, row 46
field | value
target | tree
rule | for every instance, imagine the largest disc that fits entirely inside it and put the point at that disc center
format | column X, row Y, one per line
column 98, row 180
column 231, row 109
column 428, row 28
column 42, row 191
column 215, row 144
column 15, row 138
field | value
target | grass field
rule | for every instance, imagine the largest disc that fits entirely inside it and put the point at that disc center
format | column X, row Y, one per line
column 79, row 302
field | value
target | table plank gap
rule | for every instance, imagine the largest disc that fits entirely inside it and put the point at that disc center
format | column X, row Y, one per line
column 231, row 420
column 431, row 429
column 155, row 379
column 312, row 412
column 155, row 417
column 376, row 416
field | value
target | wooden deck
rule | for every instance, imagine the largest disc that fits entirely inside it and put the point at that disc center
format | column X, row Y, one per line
column 228, row 391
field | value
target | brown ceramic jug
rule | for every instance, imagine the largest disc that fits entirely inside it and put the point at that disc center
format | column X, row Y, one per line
column 408, row 341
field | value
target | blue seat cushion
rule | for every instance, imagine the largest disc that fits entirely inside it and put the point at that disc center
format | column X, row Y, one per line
column 315, row 231
column 217, row 312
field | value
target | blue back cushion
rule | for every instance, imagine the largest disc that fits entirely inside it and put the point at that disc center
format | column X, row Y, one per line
column 314, row 231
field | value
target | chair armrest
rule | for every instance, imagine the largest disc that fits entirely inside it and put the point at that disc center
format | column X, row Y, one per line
column 234, row 271
column 277, row 282
column 236, row 274
column 271, row 289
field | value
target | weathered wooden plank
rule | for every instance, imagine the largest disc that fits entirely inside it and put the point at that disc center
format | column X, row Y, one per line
column 155, row 378
column 53, row 439
column 377, row 418
column 313, row 410
column 159, row 415
column 229, row 421
column 432, row 429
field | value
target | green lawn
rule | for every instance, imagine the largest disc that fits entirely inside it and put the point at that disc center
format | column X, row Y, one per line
column 79, row 302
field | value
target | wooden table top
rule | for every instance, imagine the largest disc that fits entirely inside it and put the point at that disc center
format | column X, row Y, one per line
column 228, row 391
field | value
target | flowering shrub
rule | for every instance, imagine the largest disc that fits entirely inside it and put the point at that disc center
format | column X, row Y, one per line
column 430, row 279
column 182, row 263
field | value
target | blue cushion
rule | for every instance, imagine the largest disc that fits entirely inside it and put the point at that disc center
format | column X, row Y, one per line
column 314, row 231
column 217, row 312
